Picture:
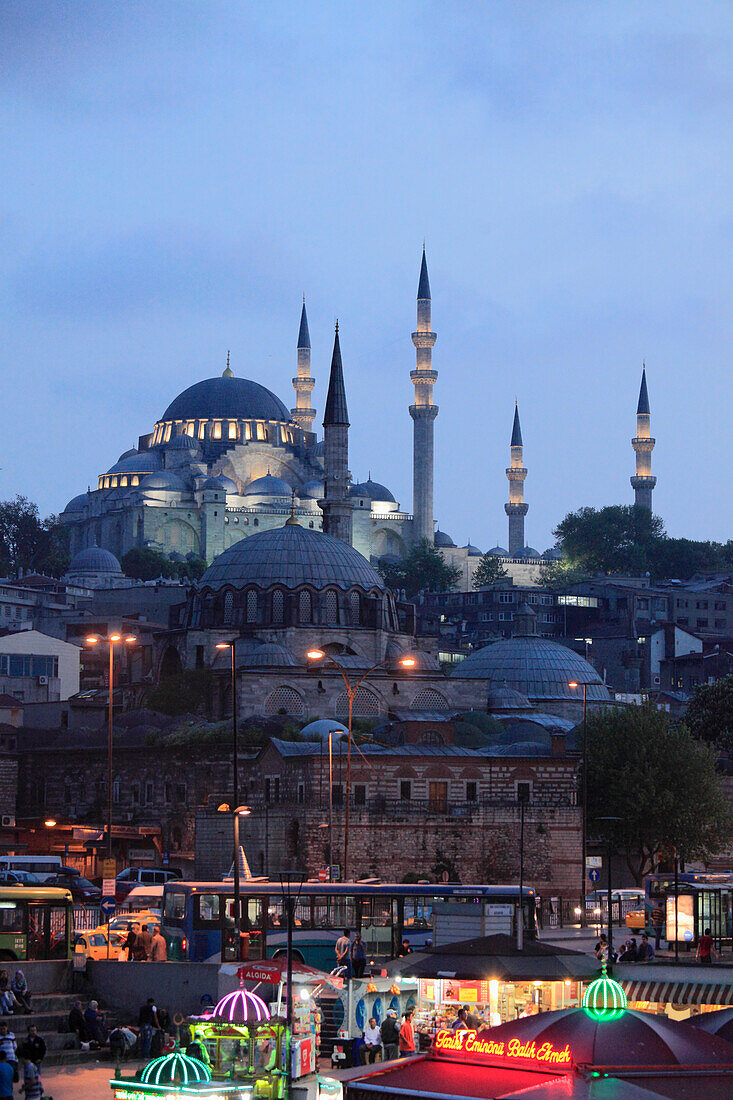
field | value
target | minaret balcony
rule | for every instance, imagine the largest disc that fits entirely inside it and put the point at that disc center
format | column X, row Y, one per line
column 423, row 377
column 424, row 339
column 643, row 444
column 304, row 384
column 516, row 473
column 423, row 412
column 643, row 481
column 516, row 509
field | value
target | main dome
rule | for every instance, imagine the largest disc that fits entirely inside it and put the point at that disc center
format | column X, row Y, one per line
column 226, row 399
column 291, row 555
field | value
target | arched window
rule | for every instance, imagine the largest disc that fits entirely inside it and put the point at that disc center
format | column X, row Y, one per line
column 284, row 700
column 304, row 606
column 232, row 429
column 123, row 482
column 202, row 429
column 217, row 429
column 355, row 604
column 135, row 480
column 278, row 606
column 252, row 606
column 366, row 704
column 228, row 606
column 331, row 607
column 247, row 431
column 168, row 428
column 260, row 431
column 429, row 699
column 189, row 428
column 116, row 784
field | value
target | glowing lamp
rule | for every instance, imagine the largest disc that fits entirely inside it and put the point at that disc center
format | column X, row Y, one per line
column 130, row 639
column 223, row 809
column 315, row 654
column 573, row 684
column 175, row 1069
column 223, row 645
column 114, row 637
column 50, row 822
column 604, row 999
column 91, row 640
column 408, row 662
column 241, row 1007
column 304, row 995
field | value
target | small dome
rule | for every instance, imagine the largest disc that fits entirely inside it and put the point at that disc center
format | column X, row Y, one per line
column 226, row 398
column 94, row 560
column 268, row 486
column 318, row 450
column 442, row 541
column 165, row 480
column 175, row 1069
column 535, row 667
column 269, row 655
column 142, row 462
column 241, row 1007
column 529, row 552
column 127, row 454
column 553, row 554
column 319, row 730
column 77, row 504
column 314, row 490
column 473, row 551
column 371, row 489
column 182, row 443
column 223, row 483
column 502, row 697
column 498, row 552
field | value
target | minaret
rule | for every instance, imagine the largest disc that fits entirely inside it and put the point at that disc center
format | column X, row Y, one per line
column 303, row 414
column 643, row 482
column 423, row 412
column 336, row 506
column 516, row 509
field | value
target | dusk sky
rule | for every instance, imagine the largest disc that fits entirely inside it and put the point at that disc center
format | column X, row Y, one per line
column 177, row 175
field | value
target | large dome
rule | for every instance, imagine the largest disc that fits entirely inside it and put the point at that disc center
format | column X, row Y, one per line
column 291, row 555
column 536, row 667
column 226, row 399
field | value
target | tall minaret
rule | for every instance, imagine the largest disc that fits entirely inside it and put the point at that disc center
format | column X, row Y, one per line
column 643, row 482
column 303, row 414
column 423, row 412
column 336, row 505
column 516, row 509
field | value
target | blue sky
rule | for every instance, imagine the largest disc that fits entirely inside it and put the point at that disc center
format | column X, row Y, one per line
column 176, row 175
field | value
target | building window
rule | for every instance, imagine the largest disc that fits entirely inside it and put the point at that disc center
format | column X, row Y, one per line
column 405, row 790
column 135, row 793
column 168, row 792
column 301, row 793
column 284, row 700
column 202, row 429
column 180, row 792
column 260, row 431
column 360, row 795
column 524, row 792
column 149, row 792
column 355, row 605
column 429, row 699
column 228, row 606
column 331, row 607
column 278, row 606
column 304, row 606
column 337, row 794
column 232, row 430
column 366, row 704
column 471, row 791
column 116, row 789
column 252, row 606
column 217, row 429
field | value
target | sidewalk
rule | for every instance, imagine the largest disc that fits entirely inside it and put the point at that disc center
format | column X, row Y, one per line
column 87, row 1082
column 585, row 940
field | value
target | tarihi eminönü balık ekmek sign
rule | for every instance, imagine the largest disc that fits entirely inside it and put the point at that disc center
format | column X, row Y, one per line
column 475, row 1046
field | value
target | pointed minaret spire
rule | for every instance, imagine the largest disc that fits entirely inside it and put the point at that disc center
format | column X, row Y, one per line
column 303, row 384
column 516, row 509
column 423, row 412
column 642, row 482
column 336, row 505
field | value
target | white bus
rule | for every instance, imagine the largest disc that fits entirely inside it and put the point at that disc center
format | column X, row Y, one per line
column 43, row 866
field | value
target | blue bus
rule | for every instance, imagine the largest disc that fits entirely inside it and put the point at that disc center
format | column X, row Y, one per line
column 198, row 917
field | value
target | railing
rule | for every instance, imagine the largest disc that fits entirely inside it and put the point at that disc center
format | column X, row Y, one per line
column 86, row 917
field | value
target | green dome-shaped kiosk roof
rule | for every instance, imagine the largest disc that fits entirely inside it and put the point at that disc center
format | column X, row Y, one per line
column 175, row 1069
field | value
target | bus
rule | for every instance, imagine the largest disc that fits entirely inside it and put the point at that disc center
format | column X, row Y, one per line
column 36, row 922
column 42, row 866
column 701, row 899
column 198, row 917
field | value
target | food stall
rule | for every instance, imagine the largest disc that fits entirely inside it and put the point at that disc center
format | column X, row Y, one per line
column 245, row 1043
column 177, row 1075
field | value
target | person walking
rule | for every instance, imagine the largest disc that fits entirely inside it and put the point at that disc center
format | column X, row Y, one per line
column 705, row 950
column 358, row 956
column 158, row 949
column 372, row 1044
column 9, row 1045
column 407, row 1035
column 6, row 1077
column 33, row 1047
column 390, row 1034
column 145, row 943
column 130, row 944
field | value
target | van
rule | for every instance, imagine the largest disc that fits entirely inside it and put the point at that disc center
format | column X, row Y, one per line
column 131, row 877
column 42, row 866
column 144, row 897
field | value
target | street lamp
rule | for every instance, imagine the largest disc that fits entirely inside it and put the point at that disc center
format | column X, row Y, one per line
column 351, row 690
column 235, row 781
column 329, row 824
column 112, row 640
column 584, row 825
column 240, row 811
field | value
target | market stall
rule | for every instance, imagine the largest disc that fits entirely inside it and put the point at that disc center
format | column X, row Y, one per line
column 178, row 1075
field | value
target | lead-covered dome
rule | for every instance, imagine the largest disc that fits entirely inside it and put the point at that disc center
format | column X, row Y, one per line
column 94, row 560
column 536, row 667
column 291, row 555
column 227, row 399
column 372, row 490
column 268, row 486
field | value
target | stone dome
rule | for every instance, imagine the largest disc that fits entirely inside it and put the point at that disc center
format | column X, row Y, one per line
column 291, row 555
column 320, row 728
column 502, row 697
column 473, row 551
column 553, row 554
column 127, row 454
column 314, row 489
column 94, row 560
column 371, row 489
column 268, row 486
column 164, row 480
column 139, row 462
column 529, row 552
column 535, row 667
column 78, row 503
column 222, row 483
column 226, row 398
column 269, row 655
column 442, row 541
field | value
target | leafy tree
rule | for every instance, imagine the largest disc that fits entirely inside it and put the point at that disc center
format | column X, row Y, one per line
column 29, row 543
column 424, row 568
column 660, row 782
column 146, row 564
column 616, row 539
column 709, row 714
column 188, row 692
column 557, row 575
column 488, row 571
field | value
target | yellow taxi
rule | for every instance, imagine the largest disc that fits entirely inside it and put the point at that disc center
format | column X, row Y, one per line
column 120, row 922
column 96, row 944
column 636, row 919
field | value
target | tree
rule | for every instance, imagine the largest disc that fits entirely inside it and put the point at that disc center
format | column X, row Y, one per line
column 660, row 782
column 709, row 714
column 424, row 568
column 29, row 543
column 488, row 571
column 146, row 564
column 616, row 539
column 188, row 692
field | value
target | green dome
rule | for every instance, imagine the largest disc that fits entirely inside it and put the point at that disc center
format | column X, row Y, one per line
column 175, row 1069
column 604, row 999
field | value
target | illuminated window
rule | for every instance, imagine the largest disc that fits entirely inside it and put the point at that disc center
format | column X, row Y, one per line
column 232, row 429
column 260, row 431
column 217, row 429
column 278, row 606
column 106, row 483
column 304, row 606
column 283, row 435
column 100, row 483
column 247, row 431
column 331, row 607
column 123, row 482
column 189, row 428
column 168, row 429
column 202, row 429
column 135, row 480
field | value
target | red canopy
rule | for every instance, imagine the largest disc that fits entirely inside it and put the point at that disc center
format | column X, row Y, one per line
column 274, row 971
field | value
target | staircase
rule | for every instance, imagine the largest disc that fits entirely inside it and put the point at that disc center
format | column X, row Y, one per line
column 50, row 1015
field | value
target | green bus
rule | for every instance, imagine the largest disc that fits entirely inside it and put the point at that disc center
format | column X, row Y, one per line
column 36, row 922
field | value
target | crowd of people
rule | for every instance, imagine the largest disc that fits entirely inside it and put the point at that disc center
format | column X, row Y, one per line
column 630, row 951
column 148, row 1037
column 391, row 1040
column 28, row 1054
column 144, row 945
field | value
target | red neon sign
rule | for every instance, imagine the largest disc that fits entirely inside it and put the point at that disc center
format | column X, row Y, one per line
column 479, row 1046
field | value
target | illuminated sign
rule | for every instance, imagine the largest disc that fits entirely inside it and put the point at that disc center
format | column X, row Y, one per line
column 476, row 1046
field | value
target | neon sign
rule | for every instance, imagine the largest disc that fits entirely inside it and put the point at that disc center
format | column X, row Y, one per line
column 478, row 1046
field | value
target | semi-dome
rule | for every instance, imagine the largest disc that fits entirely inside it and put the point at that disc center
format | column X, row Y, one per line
column 139, row 462
column 291, row 555
column 226, row 399
column 78, row 503
column 268, row 486
column 502, row 697
column 442, row 540
column 182, row 443
column 269, row 655
column 164, row 480
column 371, row 489
column 94, row 560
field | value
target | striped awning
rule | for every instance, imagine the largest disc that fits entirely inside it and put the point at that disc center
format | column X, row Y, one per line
column 680, row 993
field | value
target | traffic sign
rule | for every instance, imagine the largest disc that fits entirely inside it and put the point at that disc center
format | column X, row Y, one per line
column 109, row 887
column 594, row 861
column 594, row 874
column 108, row 906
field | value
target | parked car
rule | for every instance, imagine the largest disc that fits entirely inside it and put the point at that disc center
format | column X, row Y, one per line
column 20, row 878
column 82, row 890
column 637, row 919
column 120, row 921
column 143, row 876
column 94, row 943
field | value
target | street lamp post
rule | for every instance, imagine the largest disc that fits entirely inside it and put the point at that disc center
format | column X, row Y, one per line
column 584, row 804
column 235, row 784
column 112, row 640
column 236, row 812
column 520, row 918
column 351, row 690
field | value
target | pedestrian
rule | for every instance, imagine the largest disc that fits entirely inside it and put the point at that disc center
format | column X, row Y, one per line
column 343, row 947
column 646, row 951
column 459, row 1024
column 78, row 1024
column 145, row 943
column 9, row 1045
column 130, row 944
column 96, row 1025
column 629, row 953
column 33, row 1047
column 407, row 1035
column 358, row 956
column 705, row 950
column 147, row 1021
column 372, row 1044
column 21, row 992
column 390, row 1034
column 32, row 1086
column 658, row 925
column 158, row 949
column 6, row 1077
column 473, row 1020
